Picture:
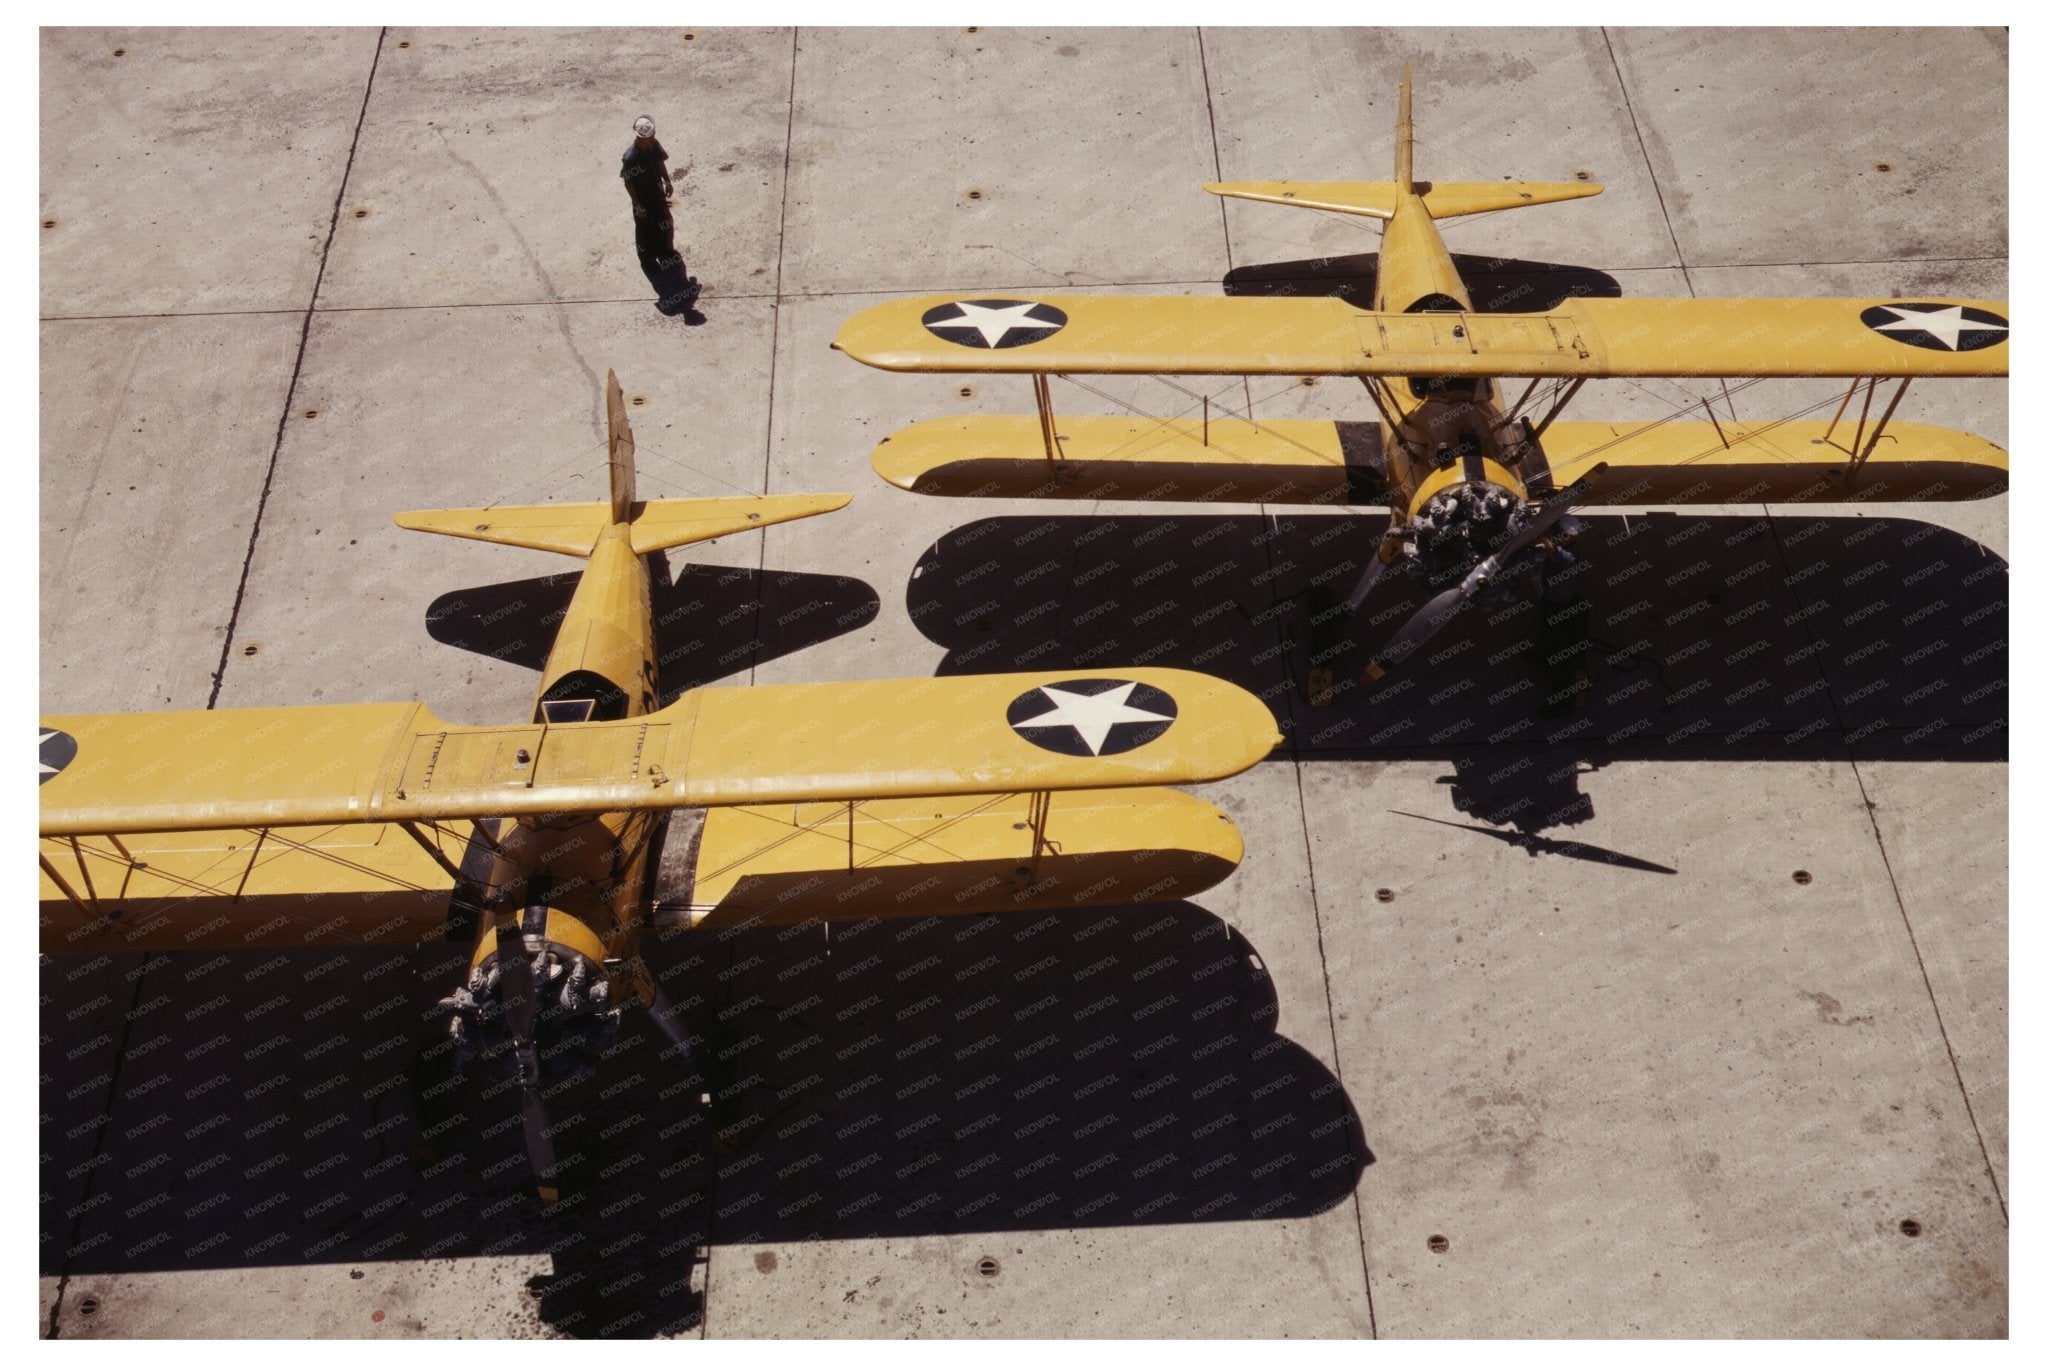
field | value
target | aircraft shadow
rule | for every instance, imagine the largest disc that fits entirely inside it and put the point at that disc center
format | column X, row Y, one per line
column 1497, row 284
column 710, row 621
column 974, row 1075
column 1702, row 637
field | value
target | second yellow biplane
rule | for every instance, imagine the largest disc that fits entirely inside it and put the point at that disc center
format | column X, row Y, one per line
column 541, row 840
column 1479, row 490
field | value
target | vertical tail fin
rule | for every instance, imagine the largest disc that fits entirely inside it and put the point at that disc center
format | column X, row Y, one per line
column 1404, row 134
column 620, row 434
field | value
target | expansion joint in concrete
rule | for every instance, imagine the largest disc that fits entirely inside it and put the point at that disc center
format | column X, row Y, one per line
column 1891, row 879
column 292, row 388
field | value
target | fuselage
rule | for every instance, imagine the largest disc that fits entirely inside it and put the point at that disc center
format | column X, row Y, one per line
column 589, row 871
column 1442, row 432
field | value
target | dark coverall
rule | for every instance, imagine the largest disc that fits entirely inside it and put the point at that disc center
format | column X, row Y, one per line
column 645, row 171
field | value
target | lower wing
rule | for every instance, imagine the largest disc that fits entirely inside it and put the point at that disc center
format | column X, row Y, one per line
column 287, row 887
column 921, row 856
column 1341, row 464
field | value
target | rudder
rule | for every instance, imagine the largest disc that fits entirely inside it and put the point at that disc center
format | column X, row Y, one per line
column 619, row 443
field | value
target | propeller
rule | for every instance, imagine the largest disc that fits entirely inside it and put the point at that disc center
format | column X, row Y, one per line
column 671, row 1024
column 1441, row 608
column 1374, row 567
column 516, row 992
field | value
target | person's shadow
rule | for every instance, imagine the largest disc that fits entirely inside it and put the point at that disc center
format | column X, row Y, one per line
column 676, row 295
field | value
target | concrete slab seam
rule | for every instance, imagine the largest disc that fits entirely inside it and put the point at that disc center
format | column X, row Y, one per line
column 1315, row 902
column 1899, row 897
column 1621, row 83
column 292, row 388
column 1215, row 147
column 774, row 348
column 1884, row 855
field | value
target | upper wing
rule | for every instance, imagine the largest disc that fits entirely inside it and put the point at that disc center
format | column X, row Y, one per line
column 264, row 767
column 1087, row 334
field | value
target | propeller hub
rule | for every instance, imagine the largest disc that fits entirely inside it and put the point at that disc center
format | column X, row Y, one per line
column 1463, row 524
column 574, row 1013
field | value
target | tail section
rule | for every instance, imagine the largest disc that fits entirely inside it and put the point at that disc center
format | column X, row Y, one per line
column 1404, row 133
column 664, row 523
column 619, row 443
column 1377, row 198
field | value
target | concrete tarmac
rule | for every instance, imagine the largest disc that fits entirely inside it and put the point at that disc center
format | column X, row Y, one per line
column 1680, row 1015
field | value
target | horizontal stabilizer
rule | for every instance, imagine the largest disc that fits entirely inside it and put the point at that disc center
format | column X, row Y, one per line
column 670, row 522
column 1208, row 335
column 945, row 856
column 1375, row 198
column 573, row 528
column 263, row 767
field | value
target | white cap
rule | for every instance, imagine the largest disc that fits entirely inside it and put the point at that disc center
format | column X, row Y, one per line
column 643, row 127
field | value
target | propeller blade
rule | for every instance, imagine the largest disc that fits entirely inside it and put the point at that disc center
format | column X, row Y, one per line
column 1373, row 569
column 1419, row 628
column 671, row 1023
column 1554, row 507
column 516, row 991
column 515, row 982
column 1382, row 556
column 540, row 1143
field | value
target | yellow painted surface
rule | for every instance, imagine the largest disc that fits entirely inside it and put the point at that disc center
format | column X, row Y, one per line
column 926, row 856
column 267, row 766
column 1287, row 461
column 1439, row 480
column 1375, row 198
column 948, row 736
column 1128, row 334
column 573, row 528
column 1687, row 462
column 283, row 888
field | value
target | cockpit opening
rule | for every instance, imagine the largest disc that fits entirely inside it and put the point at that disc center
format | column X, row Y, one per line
column 581, row 695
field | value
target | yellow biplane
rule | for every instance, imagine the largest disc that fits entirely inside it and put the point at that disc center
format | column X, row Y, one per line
column 1479, row 490
column 541, row 840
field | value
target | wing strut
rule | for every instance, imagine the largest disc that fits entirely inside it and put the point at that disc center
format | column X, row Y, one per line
column 1042, row 391
column 50, row 870
column 433, row 849
column 1859, row 449
column 1571, row 392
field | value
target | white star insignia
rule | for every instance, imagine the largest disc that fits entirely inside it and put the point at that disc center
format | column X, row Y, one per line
column 1092, row 714
column 1946, row 325
column 993, row 323
column 43, row 769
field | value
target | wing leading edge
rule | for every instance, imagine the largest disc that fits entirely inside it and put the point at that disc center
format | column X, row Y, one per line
column 263, row 767
column 1105, row 334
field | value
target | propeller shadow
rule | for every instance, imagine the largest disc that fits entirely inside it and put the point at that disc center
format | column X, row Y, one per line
column 1681, row 635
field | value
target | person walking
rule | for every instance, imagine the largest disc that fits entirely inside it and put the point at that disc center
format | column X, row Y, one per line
column 644, row 169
